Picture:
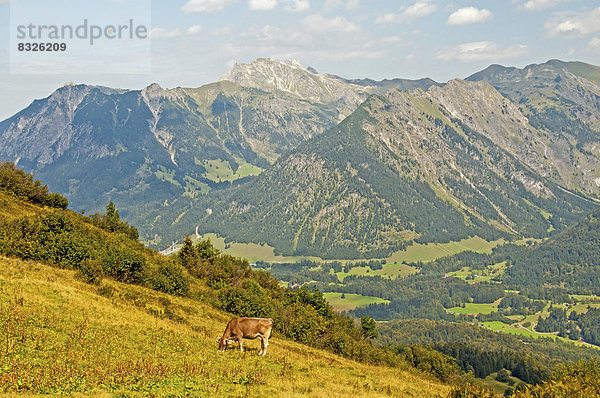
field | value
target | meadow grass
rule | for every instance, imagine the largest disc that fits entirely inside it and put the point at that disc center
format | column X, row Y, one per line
column 586, row 298
column 513, row 329
column 481, row 275
column 60, row 336
column 433, row 251
column 252, row 251
column 498, row 387
column 12, row 208
column 389, row 271
column 474, row 308
column 520, row 330
column 583, row 308
column 220, row 170
column 351, row 301
column 394, row 263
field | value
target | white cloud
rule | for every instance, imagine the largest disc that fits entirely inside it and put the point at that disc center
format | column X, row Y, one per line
column 297, row 5
column 208, row 6
column 399, row 39
column 262, row 5
column 469, row 15
column 577, row 24
column 594, row 42
column 224, row 31
column 348, row 4
column 194, row 29
column 319, row 24
column 420, row 9
column 162, row 33
column 331, row 4
column 482, row 51
column 312, row 42
column 536, row 5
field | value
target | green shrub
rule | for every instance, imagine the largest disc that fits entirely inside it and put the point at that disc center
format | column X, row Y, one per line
column 171, row 279
column 431, row 361
column 90, row 271
column 23, row 186
column 106, row 291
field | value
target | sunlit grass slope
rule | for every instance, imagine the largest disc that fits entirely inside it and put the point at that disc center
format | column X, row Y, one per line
column 61, row 336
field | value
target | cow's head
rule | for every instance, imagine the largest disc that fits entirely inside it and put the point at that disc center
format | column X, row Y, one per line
column 224, row 343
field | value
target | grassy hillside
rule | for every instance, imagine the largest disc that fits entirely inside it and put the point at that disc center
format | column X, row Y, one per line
column 85, row 308
column 59, row 335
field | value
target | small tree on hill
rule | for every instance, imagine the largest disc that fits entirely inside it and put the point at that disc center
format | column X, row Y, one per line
column 503, row 376
column 369, row 327
column 188, row 255
column 112, row 214
column 206, row 250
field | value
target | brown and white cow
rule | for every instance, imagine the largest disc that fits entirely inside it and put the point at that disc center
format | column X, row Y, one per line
column 247, row 328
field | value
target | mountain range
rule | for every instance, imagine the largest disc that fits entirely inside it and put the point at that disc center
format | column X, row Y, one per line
column 316, row 164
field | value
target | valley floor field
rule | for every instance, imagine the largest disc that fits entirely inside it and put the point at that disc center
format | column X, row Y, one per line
column 413, row 253
column 523, row 325
column 350, row 301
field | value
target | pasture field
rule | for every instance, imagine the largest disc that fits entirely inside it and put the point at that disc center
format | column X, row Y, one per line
column 390, row 271
column 433, row 251
column 474, row 308
column 491, row 383
column 514, row 329
column 59, row 336
column 351, row 301
column 519, row 329
column 584, row 299
column 252, row 251
column 582, row 308
column 480, row 275
column 220, row 170
column 395, row 264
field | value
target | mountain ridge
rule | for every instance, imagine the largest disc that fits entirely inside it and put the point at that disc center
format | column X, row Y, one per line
column 561, row 101
column 178, row 150
column 400, row 145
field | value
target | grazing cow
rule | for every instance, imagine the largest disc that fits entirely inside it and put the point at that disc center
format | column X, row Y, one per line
column 247, row 328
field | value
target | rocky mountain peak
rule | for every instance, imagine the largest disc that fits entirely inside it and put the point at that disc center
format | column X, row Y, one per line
column 154, row 87
column 291, row 77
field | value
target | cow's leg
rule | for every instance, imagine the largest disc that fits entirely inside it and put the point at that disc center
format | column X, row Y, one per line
column 241, row 345
column 262, row 344
column 266, row 345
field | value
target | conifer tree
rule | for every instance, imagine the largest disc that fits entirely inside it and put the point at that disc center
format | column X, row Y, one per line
column 369, row 327
column 188, row 255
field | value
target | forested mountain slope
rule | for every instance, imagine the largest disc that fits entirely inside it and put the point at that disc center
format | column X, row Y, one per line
column 401, row 168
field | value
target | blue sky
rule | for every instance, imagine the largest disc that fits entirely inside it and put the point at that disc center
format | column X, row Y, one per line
column 193, row 42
